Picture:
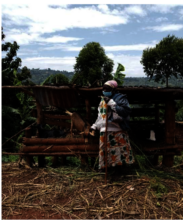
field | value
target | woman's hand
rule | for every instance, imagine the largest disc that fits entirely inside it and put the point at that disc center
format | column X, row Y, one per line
column 92, row 132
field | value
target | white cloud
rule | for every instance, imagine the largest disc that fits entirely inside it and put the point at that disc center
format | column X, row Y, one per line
column 71, row 48
column 56, row 63
column 136, row 10
column 162, row 8
column 49, row 20
column 56, row 3
column 133, row 67
column 25, row 52
column 59, row 39
column 135, row 47
column 55, row 47
column 160, row 19
column 181, row 11
column 165, row 27
column 21, row 38
column 181, row 14
column 25, row 38
column 108, row 30
column 103, row 8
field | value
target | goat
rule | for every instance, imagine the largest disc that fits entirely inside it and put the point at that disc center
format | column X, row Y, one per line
column 78, row 123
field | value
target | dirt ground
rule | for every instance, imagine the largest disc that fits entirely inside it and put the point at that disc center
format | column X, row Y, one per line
column 71, row 193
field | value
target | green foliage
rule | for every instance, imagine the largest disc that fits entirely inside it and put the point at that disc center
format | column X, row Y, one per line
column 25, row 109
column 164, row 60
column 118, row 76
column 74, row 161
column 92, row 64
column 56, row 79
column 141, row 160
column 10, row 122
column 24, row 75
column 179, row 114
column 178, row 159
column 15, row 108
column 10, row 158
column 157, row 185
column 48, row 161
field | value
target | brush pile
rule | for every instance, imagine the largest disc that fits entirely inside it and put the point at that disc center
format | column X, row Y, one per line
column 71, row 193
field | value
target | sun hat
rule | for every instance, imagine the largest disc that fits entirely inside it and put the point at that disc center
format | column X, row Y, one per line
column 111, row 83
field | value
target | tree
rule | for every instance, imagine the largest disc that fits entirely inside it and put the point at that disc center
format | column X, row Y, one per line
column 92, row 64
column 164, row 60
column 56, row 79
column 11, row 64
column 14, row 102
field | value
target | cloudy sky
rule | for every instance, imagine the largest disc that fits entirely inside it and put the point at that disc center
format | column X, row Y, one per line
column 51, row 35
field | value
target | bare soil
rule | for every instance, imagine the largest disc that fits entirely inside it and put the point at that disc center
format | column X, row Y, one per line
column 71, row 193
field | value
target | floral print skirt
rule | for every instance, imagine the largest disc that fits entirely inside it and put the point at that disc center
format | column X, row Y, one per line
column 119, row 151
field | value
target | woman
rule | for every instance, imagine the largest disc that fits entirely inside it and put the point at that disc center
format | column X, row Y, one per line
column 119, row 151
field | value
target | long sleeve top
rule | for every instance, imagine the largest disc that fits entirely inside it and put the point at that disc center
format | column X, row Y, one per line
column 118, row 114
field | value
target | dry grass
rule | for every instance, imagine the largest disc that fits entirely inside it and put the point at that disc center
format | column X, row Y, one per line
column 71, row 193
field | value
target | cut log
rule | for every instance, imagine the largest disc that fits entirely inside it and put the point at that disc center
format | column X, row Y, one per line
column 56, row 141
column 60, row 148
column 164, row 147
column 73, row 153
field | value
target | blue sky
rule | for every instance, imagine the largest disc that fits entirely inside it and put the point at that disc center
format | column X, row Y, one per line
column 51, row 35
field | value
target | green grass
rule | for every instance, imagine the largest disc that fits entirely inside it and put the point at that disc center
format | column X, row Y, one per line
column 10, row 158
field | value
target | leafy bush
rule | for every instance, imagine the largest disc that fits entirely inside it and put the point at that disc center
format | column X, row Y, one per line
column 10, row 158
column 57, row 78
column 179, row 114
column 75, row 161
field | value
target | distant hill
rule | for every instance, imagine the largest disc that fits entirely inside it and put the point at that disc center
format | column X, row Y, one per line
column 144, row 81
column 39, row 75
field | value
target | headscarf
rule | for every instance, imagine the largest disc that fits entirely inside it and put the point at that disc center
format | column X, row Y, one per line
column 111, row 83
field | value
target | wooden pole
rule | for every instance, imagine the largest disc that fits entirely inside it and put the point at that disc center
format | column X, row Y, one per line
column 92, row 154
column 88, row 110
column 40, row 119
column 60, row 148
column 170, row 122
column 169, row 129
column 54, row 141
column 106, row 144
column 156, row 114
column 28, row 132
column 29, row 159
column 39, row 113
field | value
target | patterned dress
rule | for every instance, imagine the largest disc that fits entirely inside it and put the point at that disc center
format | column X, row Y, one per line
column 119, row 151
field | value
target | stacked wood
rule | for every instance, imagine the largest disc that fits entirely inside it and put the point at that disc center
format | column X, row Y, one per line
column 60, row 148
column 55, row 141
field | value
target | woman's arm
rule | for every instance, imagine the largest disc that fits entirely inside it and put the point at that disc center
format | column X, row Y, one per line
column 96, row 124
column 121, row 107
